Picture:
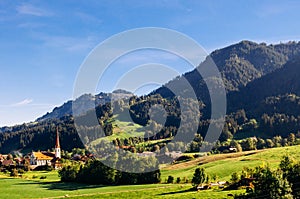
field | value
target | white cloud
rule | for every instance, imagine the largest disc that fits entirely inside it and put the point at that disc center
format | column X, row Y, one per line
column 87, row 18
column 146, row 56
column 23, row 103
column 68, row 43
column 28, row 9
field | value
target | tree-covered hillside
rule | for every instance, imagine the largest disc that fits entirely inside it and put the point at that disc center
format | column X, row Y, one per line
column 263, row 92
column 280, row 82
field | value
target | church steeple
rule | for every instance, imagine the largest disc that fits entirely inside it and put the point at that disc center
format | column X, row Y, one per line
column 57, row 145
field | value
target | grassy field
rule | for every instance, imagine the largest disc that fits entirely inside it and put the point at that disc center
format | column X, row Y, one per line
column 122, row 129
column 175, row 191
column 224, row 165
column 52, row 188
column 31, row 186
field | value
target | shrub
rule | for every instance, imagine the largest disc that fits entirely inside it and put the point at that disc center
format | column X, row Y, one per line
column 185, row 158
column 234, row 177
column 68, row 173
column 14, row 173
column 170, row 179
column 43, row 177
column 34, row 176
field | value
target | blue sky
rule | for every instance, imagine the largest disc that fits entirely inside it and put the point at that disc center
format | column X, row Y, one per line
column 43, row 43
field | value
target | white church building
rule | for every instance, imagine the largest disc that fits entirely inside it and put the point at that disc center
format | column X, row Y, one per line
column 47, row 158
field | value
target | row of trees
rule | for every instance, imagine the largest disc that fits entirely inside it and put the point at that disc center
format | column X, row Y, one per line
column 247, row 144
column 96, row 172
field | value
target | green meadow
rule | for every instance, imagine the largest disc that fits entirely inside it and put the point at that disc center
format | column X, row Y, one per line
column 22, row 188
column 31, row 186
column 223, row 165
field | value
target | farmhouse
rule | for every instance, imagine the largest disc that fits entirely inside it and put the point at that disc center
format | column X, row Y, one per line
column 47, row 158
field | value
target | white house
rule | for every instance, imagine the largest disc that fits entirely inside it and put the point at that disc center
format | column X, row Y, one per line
column 47, row 158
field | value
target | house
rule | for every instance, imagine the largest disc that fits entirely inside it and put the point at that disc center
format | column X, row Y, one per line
column 146, row 154
column 174, row 154
column 19, row 161
column 41, row 158
column 203, row 187
column 227, row 149
column 232, row 149
column 222, row 184
column 3, row 157
column 8, row 163
column 47, row 158
column 213, row 184
column 56, row 163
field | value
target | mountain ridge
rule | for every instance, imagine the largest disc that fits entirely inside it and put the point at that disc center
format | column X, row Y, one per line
column 236, row 64
column 84, row 103
column 249, row 71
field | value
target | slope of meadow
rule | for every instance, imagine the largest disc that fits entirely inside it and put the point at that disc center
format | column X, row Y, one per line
column 223, row 165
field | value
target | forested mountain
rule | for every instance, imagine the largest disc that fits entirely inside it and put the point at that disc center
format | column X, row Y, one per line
column 273, row 92
column 263, row 92
column 83, row 104
column 240, row 64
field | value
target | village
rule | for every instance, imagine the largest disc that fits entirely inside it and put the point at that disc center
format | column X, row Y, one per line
column 39, row 160
column 16, row 164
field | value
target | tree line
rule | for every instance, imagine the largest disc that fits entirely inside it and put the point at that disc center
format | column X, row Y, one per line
column 97, row 172
column 261, row 181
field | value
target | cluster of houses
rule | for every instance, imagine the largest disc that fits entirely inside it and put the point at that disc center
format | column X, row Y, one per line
column 53, row 159
column 6, row 161
column 35, row 159
column 220, row 184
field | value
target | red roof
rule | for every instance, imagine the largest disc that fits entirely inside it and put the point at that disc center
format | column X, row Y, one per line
column 7, row 162
column 43, row 155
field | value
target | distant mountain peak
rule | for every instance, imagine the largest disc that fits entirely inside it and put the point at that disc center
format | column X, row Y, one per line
column 122, row 91
column 84, row 103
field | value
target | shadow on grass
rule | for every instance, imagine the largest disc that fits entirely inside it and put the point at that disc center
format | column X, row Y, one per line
column 182, row 191
column 67, row 186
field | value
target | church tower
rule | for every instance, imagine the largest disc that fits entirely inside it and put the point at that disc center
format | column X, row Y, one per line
column 57, row 145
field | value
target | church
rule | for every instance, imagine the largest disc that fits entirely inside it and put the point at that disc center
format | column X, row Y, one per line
column 47, row 158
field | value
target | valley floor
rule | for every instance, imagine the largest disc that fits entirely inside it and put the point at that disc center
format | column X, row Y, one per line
column 25, row 188
column 31, row 186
